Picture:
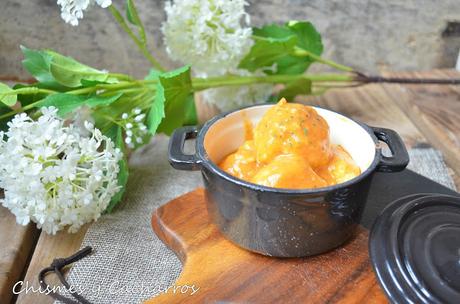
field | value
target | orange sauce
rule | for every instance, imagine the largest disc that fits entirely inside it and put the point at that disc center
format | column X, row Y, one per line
column 290, row 148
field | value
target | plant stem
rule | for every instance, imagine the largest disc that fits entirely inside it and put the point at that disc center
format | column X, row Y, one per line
column 121, row 76
column 362, row 78
column 106, row 87
column 30, row 90
column 142, row 46
column 124, row 91
column 304, row 53
column 206, row 83
column 28, row 107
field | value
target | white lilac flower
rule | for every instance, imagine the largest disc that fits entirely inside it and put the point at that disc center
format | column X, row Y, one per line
column 208, row 34
column 54, row 176
column 80, row 117
column 231, row 97
column 72, row 10
column 134, row 126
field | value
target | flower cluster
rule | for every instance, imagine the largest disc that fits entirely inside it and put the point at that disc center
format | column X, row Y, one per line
column 54, row 176
column 134, row 126
column 80, row 117
column 72, row 10
column 208, row 34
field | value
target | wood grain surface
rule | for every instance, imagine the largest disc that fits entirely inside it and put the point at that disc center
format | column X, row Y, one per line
column 49, row 247
column 225, row 273
column 434, row 110
column 427, row 114
column 16, row 246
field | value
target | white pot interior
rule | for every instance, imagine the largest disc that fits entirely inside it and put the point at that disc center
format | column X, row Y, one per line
column 228, row 133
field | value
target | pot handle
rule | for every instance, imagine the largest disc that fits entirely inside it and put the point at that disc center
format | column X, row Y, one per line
column 177, row 158
column 399, row 159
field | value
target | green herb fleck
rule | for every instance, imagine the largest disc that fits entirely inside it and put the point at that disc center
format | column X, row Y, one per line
column 305, row 131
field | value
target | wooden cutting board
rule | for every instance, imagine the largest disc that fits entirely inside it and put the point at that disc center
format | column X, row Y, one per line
column 225, row 273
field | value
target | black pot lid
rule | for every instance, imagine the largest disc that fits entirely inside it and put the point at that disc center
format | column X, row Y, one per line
column 415, row 249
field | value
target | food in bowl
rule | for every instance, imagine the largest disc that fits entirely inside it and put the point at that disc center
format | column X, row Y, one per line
column 290, row 148
column 278, row 221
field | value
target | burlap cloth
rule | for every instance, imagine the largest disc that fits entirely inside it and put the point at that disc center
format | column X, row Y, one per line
column 130, row 263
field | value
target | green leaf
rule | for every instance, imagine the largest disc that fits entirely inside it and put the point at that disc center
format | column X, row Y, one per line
column 191, row 117
column 308, row 37
column 272, row 31
column 299, row 87
column 97, row 100
column 275, row 53
column 290, row 65
column 70, row 72
column 9, row 100
column 55, row 71
column 133, row 18
column 123, row 174
column 177, row 89
column 66, row 103
column 153, row 74
column 37, row 63
column 157, row 110
column 267, row 51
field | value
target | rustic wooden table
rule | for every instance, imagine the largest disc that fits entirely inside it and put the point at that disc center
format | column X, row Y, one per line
column 422, row 114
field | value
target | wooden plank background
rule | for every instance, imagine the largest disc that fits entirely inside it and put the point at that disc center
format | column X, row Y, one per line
column 16, row 246
column 428, row 114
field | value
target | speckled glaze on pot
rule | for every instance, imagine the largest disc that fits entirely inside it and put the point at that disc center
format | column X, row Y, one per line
column 285, row 222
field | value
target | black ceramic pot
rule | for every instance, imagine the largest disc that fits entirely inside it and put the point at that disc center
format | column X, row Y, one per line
column 285, row 222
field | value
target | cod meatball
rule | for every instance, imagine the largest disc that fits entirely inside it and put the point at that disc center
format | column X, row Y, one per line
column 242, row 163
column 340, row 169
column 289, row 128
column 288, row 171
